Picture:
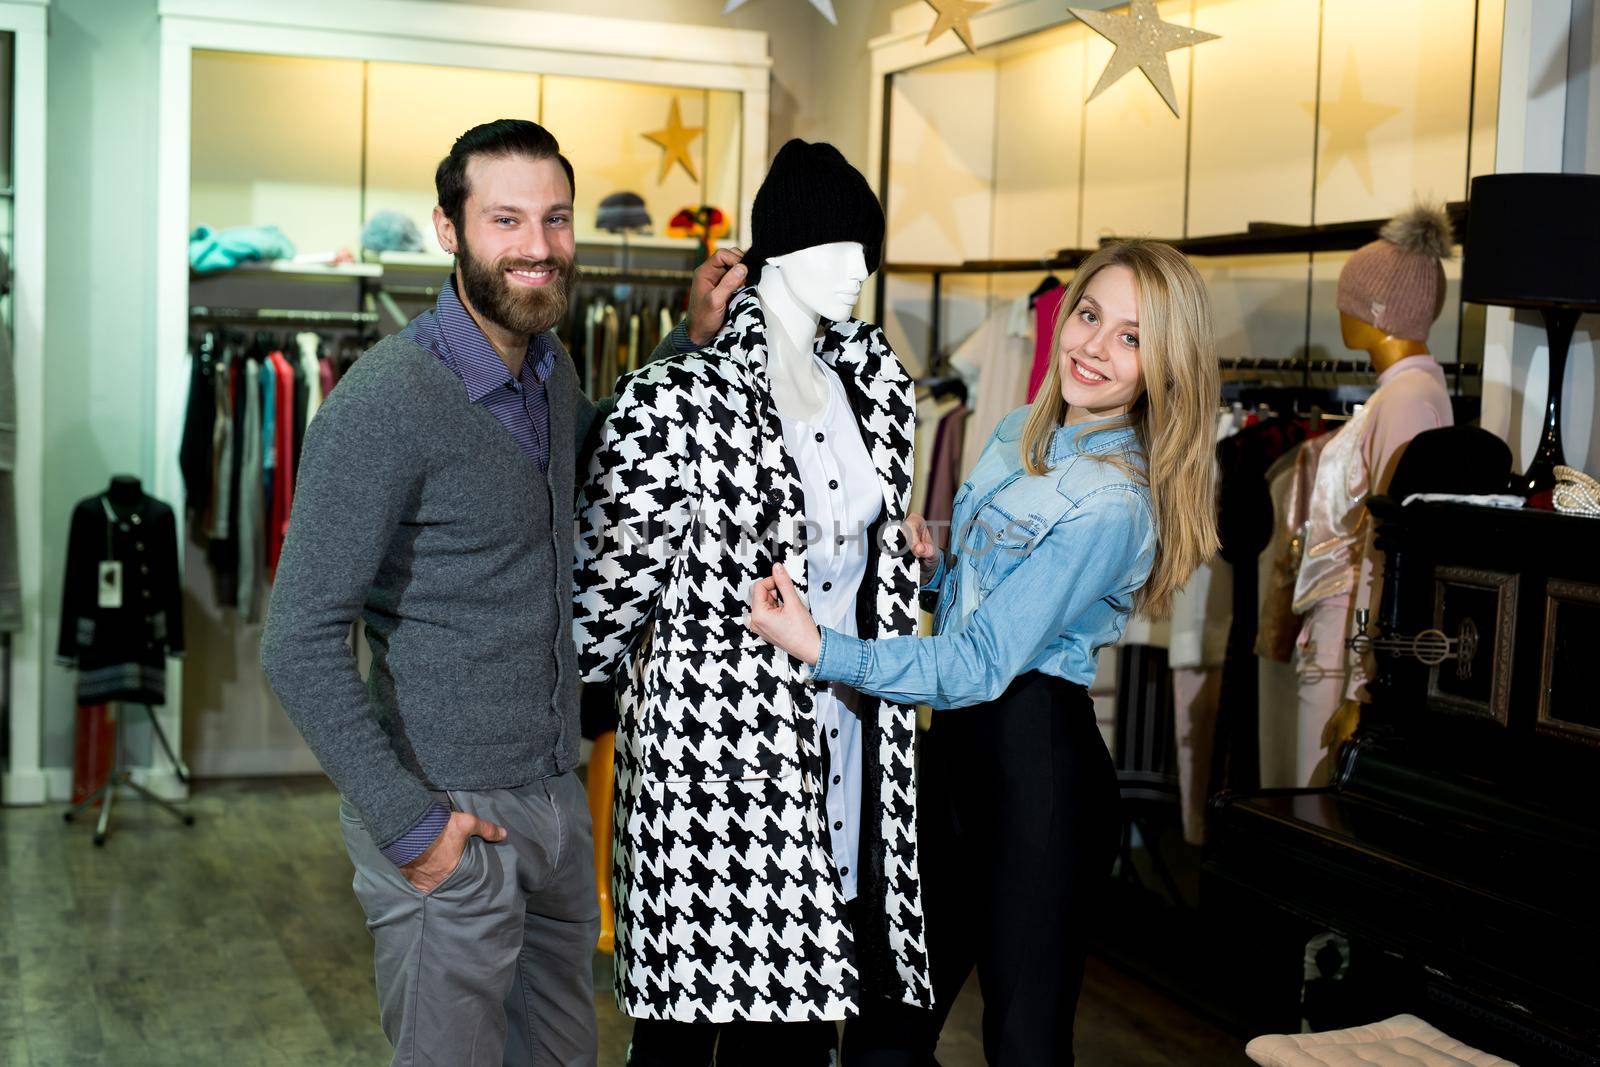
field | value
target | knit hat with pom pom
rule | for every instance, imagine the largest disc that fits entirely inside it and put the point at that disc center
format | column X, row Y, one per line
column 1396, row 283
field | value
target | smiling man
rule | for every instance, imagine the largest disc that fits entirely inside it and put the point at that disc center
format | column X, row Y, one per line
column 434, row 501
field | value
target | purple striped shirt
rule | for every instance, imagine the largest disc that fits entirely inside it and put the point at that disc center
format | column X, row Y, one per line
column 521, row 404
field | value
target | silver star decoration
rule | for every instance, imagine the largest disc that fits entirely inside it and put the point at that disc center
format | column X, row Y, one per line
column 824, row 6
column 1143, row 42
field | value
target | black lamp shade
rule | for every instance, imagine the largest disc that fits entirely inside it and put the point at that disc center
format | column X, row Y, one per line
column 1533, row 241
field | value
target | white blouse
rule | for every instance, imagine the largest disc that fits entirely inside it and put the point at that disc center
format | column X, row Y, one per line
column 843, row 499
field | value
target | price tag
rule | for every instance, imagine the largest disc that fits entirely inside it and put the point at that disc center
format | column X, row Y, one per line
column 111, row 584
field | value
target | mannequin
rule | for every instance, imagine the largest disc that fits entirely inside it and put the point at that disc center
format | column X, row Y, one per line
column 125, row 492
column 797, row 292
column 796, row 419
column 1384, row 349
column 1390, row 292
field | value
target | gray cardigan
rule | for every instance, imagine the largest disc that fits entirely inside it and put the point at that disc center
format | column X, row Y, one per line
column 415, row 510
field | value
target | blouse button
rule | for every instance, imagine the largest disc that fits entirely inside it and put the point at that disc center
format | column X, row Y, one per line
column 838, row 826
column 833, row 484
column 826, row 586
column 821, row 437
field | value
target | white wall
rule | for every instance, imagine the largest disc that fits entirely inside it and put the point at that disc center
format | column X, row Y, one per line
column 100, row 249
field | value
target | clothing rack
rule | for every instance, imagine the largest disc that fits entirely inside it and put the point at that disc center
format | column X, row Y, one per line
column 634, row 276
column 300, row 316
column 1066, row 259
column 1304, row 367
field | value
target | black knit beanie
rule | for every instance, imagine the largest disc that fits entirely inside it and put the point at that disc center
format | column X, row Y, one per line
column 812, row 196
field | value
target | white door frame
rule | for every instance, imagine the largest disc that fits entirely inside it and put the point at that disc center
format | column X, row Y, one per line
column 400, row 31
column 23, row 781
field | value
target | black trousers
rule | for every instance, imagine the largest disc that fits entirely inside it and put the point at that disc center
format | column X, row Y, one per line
column 1019, row 830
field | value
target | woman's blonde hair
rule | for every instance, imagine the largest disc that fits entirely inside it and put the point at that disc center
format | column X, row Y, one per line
column 1174, row 417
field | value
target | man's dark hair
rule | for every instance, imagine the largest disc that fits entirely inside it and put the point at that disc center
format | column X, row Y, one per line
column 502, row 137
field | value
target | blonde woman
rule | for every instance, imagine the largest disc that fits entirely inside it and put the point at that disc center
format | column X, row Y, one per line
column 1093, row 502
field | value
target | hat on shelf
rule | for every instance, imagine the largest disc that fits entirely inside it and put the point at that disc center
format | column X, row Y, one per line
column 812, row 196
column 621, row 212
column 390, row 231
column 1396, row 283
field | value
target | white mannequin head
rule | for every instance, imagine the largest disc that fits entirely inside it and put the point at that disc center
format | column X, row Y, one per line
column 824, row 280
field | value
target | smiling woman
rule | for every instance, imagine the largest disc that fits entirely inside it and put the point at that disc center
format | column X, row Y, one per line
column 1092, row 502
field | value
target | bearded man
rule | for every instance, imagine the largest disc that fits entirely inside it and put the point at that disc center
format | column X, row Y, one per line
column 434, row 502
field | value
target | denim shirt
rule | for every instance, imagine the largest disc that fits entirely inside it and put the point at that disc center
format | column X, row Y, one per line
column 1043, row 575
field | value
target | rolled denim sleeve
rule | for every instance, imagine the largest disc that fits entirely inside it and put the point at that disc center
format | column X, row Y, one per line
column 935, row 584
column 1093, row 552
column 842, row 658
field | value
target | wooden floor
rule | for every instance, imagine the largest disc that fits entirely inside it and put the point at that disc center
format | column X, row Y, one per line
column 238, row 942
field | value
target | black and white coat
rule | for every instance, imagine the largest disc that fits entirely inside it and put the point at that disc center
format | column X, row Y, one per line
column 728, row 903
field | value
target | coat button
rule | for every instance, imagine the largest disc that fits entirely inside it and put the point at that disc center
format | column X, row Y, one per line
column 135, row 520
column 139, row 546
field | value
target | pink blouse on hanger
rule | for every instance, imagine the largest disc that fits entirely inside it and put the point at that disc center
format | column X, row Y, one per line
column 1045, row 332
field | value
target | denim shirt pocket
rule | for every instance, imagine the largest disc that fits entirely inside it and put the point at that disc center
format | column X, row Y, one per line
column 1005, row 531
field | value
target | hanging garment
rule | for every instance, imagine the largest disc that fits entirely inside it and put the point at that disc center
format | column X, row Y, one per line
column 1291, row 479
column 251, row 521
column 269, row 427
column 309, row 367
column 1244, row 524
column 1289, row 484
column 1045, row 309
column 288, row 436
column 1195, row 693
column 610, row 364
column 948, row 460
column 325, row 375
column 716, row 725
column 223, row 552
column 1341, row 571
column 195, row 457
column 633, row 342
column 930, row 415
column 119, row 633
column 222, row 378
column 994, row 362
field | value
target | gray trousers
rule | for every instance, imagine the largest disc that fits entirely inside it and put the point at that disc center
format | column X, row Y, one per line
column 495, row 966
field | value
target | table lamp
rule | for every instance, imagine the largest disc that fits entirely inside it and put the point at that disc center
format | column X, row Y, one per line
column 1533, row 241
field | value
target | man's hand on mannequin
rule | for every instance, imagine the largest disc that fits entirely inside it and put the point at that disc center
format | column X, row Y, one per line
column 434, row 866
column 715, row 282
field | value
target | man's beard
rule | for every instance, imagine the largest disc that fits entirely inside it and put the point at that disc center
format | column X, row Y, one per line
column 519, row 309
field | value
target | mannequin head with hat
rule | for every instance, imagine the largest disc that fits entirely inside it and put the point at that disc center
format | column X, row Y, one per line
column 1392, row 290
column 817, row 233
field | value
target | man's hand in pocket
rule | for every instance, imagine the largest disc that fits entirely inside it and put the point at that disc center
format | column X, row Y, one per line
column 434, row 866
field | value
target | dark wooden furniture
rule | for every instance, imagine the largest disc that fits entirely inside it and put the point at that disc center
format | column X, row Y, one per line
column 1459, row 846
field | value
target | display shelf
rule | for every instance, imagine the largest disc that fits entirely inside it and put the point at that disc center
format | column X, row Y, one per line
column 412, row 259
column 289, row 268
column 1273, row 238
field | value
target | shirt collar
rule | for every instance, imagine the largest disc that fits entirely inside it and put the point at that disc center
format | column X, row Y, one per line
column 468, row 352
column 1090, row 438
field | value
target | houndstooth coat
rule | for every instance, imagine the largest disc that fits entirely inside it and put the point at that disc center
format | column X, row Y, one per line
column 728, row 903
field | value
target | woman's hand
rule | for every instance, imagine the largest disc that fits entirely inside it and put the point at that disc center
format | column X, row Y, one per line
column 922, row 546
column 777, row 615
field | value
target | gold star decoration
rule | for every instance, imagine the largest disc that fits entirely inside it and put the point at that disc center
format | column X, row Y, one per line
column 1348, row 121
column 675, row 141
column 1143, row 42
column 824, row 6
column 939, row 187
column 954, row 15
